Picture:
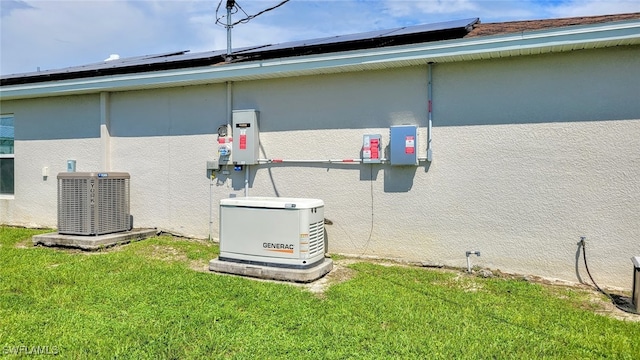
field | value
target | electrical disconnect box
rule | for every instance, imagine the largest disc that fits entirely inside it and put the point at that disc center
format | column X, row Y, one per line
column 245, row 137
column 403, row 144
column 371, row 149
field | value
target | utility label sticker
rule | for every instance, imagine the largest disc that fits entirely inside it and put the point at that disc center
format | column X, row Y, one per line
column 374, row 150
column 409, row 145
column 243, row 139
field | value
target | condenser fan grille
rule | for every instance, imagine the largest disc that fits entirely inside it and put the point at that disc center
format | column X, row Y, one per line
column 93, row 203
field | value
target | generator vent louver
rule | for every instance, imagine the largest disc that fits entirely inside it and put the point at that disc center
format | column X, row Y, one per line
column 93, row 203
column 316, row 238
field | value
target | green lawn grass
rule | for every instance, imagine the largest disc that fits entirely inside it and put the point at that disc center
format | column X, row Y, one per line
column 145, row 301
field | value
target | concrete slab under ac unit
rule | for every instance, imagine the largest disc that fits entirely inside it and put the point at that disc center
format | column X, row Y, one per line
column 92, row 242
column 272, row 272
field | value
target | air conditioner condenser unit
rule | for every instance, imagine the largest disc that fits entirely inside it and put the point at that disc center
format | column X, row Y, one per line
column 276, row 232
column 92, row 203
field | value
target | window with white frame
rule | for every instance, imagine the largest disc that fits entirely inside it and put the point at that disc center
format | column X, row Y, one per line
column 7, row 138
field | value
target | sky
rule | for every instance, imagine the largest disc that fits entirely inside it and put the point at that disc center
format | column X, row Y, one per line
column 54, row 34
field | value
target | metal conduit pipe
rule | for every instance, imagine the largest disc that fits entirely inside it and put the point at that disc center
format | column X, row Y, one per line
column 210, row 206
column 229, row 103
column 246, row 180
column 230, row 5
column 430, row 112
column 327, row 161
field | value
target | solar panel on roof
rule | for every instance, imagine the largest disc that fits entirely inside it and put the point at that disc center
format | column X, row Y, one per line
column 377, row 34
column 287, row 45
column 128, row 61
column 448, row 25
column 341, row 43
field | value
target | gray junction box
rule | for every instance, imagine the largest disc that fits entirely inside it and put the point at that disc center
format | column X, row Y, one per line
column 246, row 139
column 403, row 144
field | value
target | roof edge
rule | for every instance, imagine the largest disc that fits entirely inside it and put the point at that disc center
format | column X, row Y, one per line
column 467, row 49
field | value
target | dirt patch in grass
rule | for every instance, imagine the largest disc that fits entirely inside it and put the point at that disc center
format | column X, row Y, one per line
column 589, row 298
column 340, row 273
column 199, row 265
column 24, row 244
column 592, row 300
column 167, row 253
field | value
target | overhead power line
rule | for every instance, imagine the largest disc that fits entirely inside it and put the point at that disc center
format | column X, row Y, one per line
column 235, row 7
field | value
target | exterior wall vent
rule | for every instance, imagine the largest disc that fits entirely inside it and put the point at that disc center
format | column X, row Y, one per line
column 91, row 203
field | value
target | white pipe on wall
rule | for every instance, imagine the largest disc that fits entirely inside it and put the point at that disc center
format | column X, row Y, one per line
column 105, row 130
column 328, row 161
column 246, row 180
column 229, row 103
column 430, row 112
column 211, row 205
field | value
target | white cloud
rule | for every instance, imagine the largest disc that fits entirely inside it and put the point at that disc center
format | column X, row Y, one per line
column 54, row 34
column 594, row 7
column 400, row 8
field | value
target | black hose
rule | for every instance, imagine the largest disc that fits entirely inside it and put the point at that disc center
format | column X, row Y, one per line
column 619, row 301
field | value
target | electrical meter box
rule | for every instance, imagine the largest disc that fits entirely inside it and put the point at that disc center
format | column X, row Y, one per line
column 403, row 145
column 245, row 137
column 372, row 149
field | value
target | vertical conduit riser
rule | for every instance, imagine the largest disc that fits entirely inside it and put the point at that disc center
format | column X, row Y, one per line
column 105, row 130
column 430, row 111
column 229, row 26
column 246, row 180
column 229, row 102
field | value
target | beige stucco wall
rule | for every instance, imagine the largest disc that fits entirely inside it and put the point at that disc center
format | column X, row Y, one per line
column 49, row 132
column 529, row 154
column 164, row 138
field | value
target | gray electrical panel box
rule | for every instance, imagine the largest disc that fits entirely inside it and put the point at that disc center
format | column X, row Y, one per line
column 403, row 145
column 372, row 149
column 246, row 141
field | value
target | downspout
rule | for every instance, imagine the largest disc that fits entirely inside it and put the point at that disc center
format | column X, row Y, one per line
column 430, row 112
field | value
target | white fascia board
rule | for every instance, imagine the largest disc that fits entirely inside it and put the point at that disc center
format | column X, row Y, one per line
column 626, row 33
column 546, row 39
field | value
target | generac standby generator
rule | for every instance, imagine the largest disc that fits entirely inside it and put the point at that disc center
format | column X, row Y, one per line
column 91, row 203
column 279, row 232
